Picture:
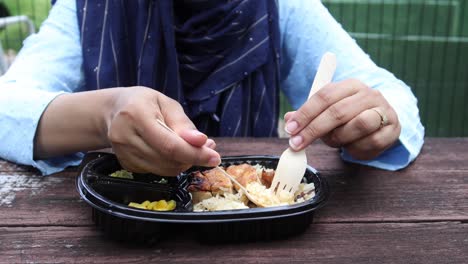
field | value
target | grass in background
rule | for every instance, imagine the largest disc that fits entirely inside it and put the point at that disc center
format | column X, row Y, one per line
column 12, row 36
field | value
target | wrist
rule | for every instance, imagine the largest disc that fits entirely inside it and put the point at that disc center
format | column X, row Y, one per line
column 106, row 113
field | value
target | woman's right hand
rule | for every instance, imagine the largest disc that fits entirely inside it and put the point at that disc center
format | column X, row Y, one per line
column 143, row 145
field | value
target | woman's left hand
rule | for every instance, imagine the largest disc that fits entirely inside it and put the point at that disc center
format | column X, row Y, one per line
column 346, row 114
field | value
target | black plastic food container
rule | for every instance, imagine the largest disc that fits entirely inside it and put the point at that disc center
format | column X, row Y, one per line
column 109, row 196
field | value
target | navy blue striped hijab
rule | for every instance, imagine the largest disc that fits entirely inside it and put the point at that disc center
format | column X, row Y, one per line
column 218, row 58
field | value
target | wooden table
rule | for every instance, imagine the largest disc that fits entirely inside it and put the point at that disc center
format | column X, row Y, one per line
column 418, row 215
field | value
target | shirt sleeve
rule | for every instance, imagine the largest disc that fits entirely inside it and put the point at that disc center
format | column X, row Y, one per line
column 308, row 30
column 49, row 64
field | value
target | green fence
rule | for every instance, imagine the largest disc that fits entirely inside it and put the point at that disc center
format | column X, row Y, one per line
column 12, row 36
column 424, row 42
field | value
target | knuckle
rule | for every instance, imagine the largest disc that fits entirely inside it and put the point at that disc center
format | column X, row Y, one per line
column 310, row 132
column 337, row 113
column 362, row 125
column 303, row 115
column 324, row 96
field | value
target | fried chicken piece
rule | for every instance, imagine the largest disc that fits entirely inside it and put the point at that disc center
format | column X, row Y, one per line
column 267, row 177
column 199, row 183
column 243, row 173
column 219, row 182
column 209, row 183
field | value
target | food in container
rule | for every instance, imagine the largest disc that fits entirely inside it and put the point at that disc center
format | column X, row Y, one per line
column 212, row 190
column 109, row 198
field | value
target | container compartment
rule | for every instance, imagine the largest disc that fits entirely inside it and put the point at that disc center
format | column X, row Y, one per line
column 108, row 199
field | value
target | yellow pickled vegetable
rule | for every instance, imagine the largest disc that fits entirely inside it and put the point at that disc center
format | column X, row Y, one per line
column 151, row 205
column 145, row 203
column 137, row 205
column 171, row 205
column 161, row 205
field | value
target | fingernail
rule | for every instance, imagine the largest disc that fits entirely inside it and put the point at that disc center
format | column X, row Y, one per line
column 295, row 142
column 210, row 143
column 291, row 127
column 215, row 161
column 198, row 133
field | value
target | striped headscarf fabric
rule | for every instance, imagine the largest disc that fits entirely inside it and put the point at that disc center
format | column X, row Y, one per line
column 218, row 58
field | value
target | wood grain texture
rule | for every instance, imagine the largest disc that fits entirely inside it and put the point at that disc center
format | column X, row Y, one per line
column 322, row 243
column 416, row 215
column 367, row 194
column 358, row 193
column 30, row 199
column 6, row 166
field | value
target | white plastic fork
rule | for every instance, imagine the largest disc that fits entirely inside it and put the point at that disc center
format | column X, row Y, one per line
column 292, row 164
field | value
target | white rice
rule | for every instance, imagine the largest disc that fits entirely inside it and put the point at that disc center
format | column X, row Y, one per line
column 227, row 202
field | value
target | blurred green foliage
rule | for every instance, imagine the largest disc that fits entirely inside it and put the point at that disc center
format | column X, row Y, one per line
column 12, row 36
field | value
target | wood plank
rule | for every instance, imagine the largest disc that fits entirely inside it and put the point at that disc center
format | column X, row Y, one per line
column 357, row 195
column 366, row 194
column 443, row 154
column 30, row 199
column 6, row 166
column 443, row 242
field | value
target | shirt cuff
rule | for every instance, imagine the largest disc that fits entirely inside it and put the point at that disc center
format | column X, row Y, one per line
column 20, row 112
column 400, row 155
column 394, row 158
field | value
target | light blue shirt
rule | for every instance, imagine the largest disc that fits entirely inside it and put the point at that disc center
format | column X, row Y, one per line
column 50, row 62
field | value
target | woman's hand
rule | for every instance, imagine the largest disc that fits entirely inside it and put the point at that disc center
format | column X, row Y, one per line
column 346, row 114
column 125, row 119
column 143, row 145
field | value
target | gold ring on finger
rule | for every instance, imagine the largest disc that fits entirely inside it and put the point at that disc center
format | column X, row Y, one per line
column 383, row 117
